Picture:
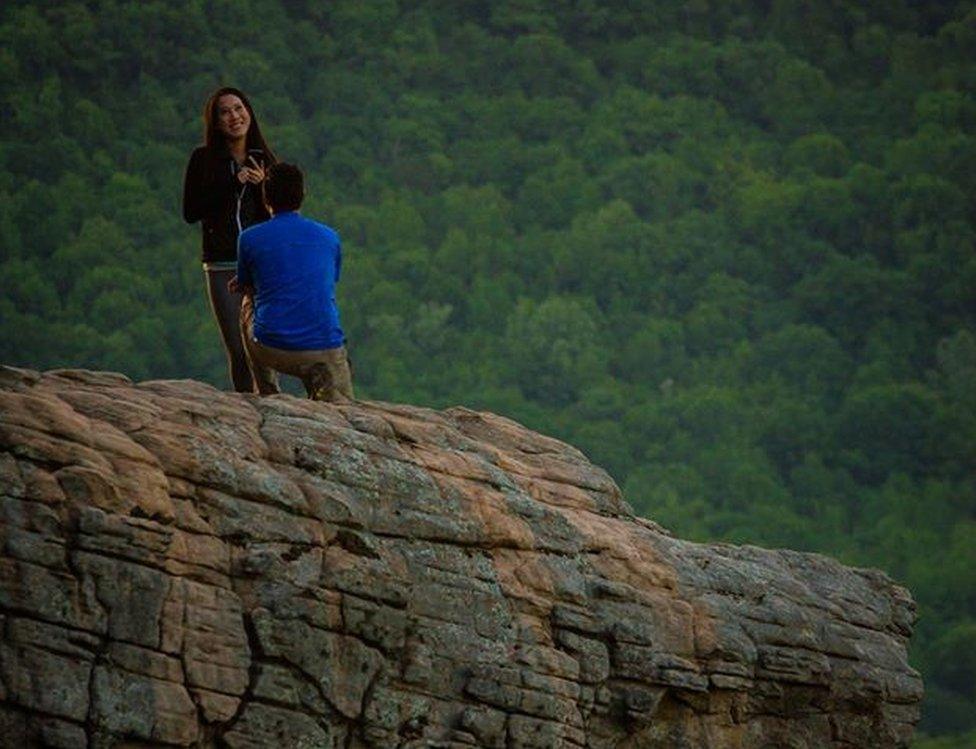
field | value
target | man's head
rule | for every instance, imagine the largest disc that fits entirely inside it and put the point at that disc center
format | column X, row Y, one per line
column 284, row 188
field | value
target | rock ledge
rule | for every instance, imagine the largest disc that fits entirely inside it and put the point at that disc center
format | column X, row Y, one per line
column 186, row 567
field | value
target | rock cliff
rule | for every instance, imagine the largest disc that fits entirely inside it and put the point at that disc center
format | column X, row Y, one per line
column 185, row 567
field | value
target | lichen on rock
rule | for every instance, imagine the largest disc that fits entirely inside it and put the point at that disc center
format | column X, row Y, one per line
column 186, row 567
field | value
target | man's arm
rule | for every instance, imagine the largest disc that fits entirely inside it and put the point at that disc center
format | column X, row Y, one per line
column 243, row 281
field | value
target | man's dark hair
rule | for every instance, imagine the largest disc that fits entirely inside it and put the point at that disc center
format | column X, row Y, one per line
column 284, row 187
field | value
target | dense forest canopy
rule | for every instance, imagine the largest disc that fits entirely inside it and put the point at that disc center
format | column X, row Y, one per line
column 727, row 248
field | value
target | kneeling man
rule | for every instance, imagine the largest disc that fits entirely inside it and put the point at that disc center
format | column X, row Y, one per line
column 287, row 268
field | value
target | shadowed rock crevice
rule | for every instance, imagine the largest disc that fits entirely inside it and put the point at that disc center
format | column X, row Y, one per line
column 186, row 567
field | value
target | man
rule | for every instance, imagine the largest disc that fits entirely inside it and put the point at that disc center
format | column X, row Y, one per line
column 287, row 268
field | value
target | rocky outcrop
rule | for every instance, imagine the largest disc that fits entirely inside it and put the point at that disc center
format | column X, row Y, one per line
column 186, row 567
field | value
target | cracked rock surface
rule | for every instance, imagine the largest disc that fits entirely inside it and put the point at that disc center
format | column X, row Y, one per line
column 185, row 567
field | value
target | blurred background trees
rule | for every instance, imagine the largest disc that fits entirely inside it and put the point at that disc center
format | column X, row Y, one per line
column 725, row 248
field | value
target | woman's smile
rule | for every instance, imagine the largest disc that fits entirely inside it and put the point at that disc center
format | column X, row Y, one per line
column 232, row 116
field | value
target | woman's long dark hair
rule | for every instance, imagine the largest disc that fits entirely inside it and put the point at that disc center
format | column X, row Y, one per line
column 212, row 136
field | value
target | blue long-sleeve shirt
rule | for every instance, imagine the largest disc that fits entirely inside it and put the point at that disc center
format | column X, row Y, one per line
column 293, row 264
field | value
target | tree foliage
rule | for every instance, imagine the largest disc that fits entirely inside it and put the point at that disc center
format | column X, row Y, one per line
column 728, row 252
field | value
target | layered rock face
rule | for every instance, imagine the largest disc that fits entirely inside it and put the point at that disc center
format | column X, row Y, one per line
column 186, row 567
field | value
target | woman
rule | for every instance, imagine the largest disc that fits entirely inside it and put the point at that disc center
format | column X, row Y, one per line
column 222, row 189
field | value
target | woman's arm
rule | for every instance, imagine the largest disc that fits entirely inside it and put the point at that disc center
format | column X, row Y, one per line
column 199, row 191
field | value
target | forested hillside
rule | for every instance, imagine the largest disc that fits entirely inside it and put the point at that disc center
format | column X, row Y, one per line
column 725, row 248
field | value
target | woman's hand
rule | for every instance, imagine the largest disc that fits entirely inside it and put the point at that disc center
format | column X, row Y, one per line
column 253, row 172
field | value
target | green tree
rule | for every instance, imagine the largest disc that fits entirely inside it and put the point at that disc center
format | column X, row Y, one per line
column 555, row 349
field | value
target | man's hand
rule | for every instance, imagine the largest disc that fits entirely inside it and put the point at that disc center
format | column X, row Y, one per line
column 234, row 287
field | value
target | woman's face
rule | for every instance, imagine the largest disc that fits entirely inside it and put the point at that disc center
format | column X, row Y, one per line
column 233, row 119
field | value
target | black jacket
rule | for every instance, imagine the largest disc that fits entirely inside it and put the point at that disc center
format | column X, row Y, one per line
column 213, row 195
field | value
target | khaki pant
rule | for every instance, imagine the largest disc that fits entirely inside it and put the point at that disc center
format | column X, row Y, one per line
column 325, row 372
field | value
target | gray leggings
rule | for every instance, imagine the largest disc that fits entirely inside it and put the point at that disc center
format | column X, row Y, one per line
column 227, row 310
